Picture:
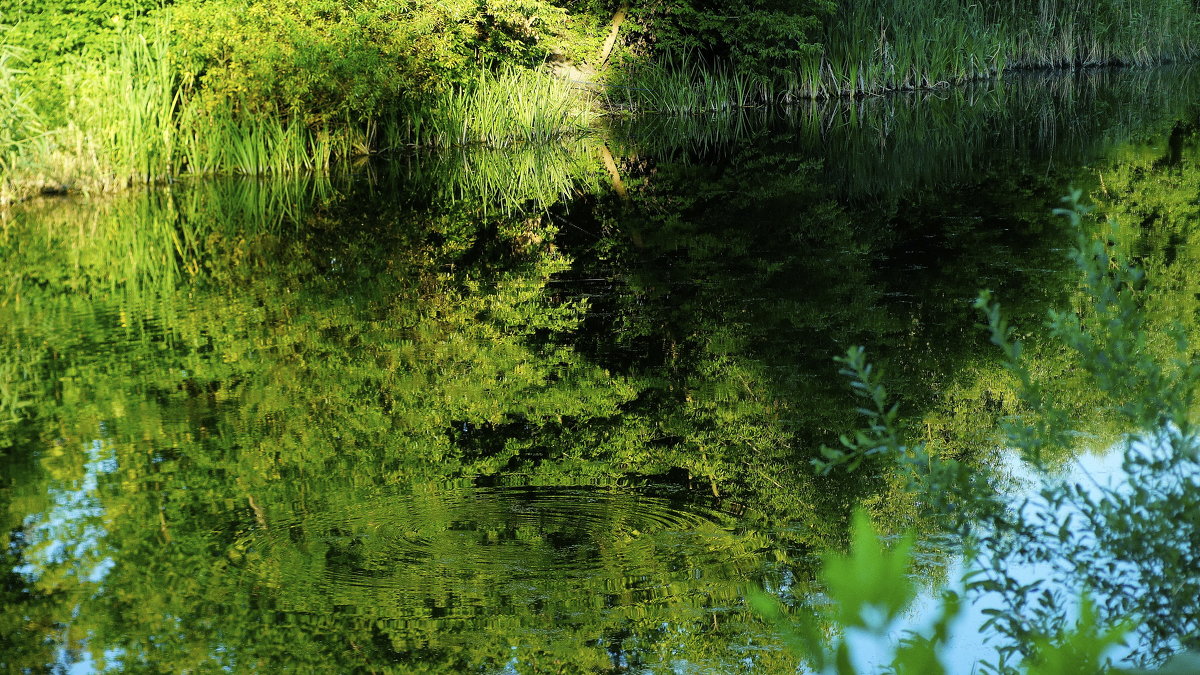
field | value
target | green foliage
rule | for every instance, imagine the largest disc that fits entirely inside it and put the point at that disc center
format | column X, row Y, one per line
column 1080, row 652
column 871, row 586
column 22, row 131
column 331, row 61
column 337, row 80
column 1131, row 545
column 757, row 36
column 863, row 48
column 1128, row 543
column 322, row 63
column 1180, row 664
column 51, row 30
column 879, row 436
column 137, row 119
column 193, row 87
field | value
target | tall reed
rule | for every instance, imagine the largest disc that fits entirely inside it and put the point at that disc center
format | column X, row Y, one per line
column 133, row 119
column 876, row 46
column 23, row 134
column 681, row 84
column 219, row 141
column 134, row 109
column 511, row 106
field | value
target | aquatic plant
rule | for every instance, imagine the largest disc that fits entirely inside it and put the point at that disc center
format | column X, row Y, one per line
column 510, row 106
column 135, row 118
column 877, row 46
column 23, row 134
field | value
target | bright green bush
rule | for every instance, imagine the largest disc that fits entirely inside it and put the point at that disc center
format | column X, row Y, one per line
column 60, row 38
column 326, row 60
column 52, row 29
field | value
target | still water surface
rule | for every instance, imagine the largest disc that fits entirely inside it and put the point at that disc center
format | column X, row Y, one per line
column 505, row 412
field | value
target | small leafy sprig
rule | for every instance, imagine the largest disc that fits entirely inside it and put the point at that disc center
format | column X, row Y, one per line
column 879, row 436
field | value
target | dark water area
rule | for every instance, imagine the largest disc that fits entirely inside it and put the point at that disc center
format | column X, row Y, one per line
column 510, row 412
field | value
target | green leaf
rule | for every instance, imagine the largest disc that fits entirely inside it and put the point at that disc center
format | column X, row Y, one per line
column 870, row 578
column 1187, row 663
column 800, row 632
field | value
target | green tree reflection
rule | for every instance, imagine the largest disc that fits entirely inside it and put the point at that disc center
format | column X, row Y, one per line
column 481, row 416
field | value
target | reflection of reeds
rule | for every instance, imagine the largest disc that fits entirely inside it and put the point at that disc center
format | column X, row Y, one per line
column 150, row 242
column 880, row 144
column 873, row 46
column 11, row 395
column 533, row 175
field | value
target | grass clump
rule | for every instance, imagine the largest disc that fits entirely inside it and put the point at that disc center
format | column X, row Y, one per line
column 869, row 47
column 22, row 132
column 498, row 109
column 194, row 88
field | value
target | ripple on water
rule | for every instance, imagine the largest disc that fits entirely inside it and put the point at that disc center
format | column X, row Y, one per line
column 463, row 552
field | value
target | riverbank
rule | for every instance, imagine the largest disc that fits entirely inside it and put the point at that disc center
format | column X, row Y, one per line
column 876, row 47
column 92, row 101
column 192, row 88
column 138, row 122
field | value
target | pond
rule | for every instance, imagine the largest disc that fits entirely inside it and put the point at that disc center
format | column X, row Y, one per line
column 549, row 409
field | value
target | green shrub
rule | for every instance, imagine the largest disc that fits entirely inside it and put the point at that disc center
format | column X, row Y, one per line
column 326, row 60
column 53, row 29
column 758, row 36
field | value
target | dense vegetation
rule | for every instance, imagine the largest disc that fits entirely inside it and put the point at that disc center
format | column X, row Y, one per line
column 102, row 93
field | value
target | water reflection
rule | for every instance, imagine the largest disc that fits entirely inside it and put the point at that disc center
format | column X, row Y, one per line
column 479, row 413
column 514, row 534
column 471, row 565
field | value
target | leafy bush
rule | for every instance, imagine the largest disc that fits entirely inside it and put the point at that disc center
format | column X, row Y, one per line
column 326, row 60
column 52, row 29
column 761, row 36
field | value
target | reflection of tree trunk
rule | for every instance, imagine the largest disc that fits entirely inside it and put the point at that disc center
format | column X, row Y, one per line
column 711, row 480
column 259, row 516
column 162, row 522
column 614, row 174
column 615, row 26
column 258, row 513
column 610, row 165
